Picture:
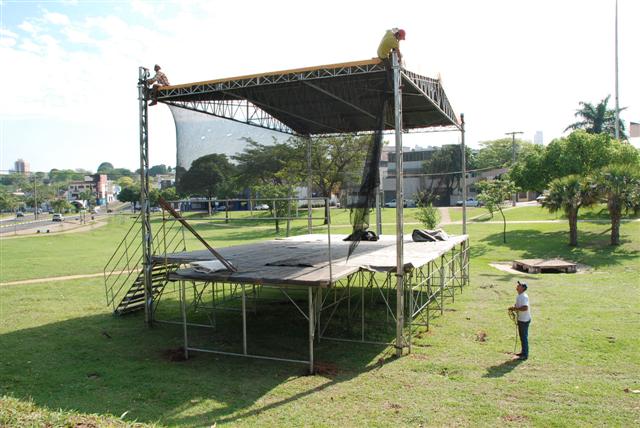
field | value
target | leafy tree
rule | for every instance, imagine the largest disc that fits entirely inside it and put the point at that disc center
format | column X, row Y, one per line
column 130, row 194
column 499, row 153
column 261, row 164
column 493, row 193
column 105, row 168
column 125, row 182
column 158, row 169
column 579, row 153
column 89, row 196
column 121, row 172
column 210, row 176
column 269, row 194
column 597, row 119
column 445, row 167
column 8, row 202
column 335, row 163
column 620, row 185
column 60, row 205
column 427, row 214
column 569, row 194
column 169, row 194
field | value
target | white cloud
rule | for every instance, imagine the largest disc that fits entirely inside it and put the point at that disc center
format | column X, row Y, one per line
column 28, row 27
column 56, row 18
column 7, row 33
column 7, row 43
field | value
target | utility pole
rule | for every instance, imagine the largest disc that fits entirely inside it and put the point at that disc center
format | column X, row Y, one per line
column 513, row 160
column 617, row 98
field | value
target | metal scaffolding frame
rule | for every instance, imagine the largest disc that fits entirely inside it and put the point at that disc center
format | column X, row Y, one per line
column 427, row 104
column 353, row 296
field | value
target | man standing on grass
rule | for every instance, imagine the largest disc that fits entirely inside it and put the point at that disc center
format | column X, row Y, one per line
column 524, row 319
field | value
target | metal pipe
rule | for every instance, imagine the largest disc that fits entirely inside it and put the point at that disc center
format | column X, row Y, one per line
column 244, row 321
column 309, row 185
column 464, row 177
column 183, row 308
column 311, row 329
column 397, row 95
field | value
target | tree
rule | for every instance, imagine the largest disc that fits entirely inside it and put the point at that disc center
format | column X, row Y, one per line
column 262, row 164
column 8, row 202
column 427, row 214
column 445, row 167
column 105, row 168
column 499, row 153
column 579, row 153
column 620, row 186
column 210, row 175
column 269, row 194
column 493, row 193
column 60, row 205
column 130, row 194
column 125, row 182
column 158, row 169
column 336, row 162
column 89, row 196
column 169, row 194
column 597, row 119
column 569, row 194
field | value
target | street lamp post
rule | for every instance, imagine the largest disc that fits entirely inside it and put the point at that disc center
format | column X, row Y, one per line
column 513, row 160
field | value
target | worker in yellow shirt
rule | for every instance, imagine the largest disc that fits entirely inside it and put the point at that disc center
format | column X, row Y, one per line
column 391, row 42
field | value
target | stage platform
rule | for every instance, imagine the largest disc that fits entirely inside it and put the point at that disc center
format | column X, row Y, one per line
column 305, row 260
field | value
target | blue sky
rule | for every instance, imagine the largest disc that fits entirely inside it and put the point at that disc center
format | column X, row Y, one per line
column 68, row 98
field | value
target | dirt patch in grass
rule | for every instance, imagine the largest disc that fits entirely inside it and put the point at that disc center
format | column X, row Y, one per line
column 175, row 355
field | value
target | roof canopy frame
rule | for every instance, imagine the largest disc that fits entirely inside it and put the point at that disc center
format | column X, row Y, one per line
column 341, row 96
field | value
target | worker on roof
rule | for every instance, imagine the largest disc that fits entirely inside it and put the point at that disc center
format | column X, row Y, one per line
column 391, row 42
column 158, row 80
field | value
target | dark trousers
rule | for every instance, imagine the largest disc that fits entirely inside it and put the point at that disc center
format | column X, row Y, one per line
column 523, row 332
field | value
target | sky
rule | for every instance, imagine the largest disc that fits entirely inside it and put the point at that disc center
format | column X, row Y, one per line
column 68, row 96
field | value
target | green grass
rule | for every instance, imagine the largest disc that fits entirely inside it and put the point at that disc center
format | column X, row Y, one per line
column 66, row 360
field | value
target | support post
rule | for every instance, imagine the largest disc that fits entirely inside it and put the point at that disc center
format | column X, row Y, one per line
column 464, row 177
column 143, row 75
column 309, row 185
column 244, row 321
column 311, row 329
column 397, row 95
column 183, row 309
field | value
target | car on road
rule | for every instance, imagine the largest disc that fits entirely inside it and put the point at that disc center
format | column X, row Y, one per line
column 471, row 202
column 261, row 207
column 57, row 217
column 19, row 214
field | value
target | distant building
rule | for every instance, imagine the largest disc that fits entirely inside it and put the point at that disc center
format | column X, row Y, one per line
column 22, row 166
column 102, row 190
column 537, row 138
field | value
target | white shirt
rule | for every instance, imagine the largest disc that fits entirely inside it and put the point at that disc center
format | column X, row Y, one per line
column 523, row 300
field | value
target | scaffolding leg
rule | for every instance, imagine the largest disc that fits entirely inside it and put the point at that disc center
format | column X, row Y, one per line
column 311, row 329
column 183, row 307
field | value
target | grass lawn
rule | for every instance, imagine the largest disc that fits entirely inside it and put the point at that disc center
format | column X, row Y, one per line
column 65, row 360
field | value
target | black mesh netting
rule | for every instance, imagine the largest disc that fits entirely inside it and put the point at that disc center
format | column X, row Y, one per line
column 200, row 134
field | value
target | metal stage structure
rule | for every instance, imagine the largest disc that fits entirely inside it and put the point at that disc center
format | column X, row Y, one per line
column 307, row 102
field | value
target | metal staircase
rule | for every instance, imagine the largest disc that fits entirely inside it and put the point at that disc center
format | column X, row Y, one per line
column 123, row 273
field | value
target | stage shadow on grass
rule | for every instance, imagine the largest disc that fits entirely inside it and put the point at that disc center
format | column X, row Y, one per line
column 502, row 369
column 593, row 248
column 107, row 365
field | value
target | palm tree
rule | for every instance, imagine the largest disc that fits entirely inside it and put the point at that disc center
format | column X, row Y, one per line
column 597, row 119
column 569, row 194
column 620, row 184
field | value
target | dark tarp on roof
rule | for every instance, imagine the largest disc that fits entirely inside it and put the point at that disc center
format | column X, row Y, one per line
column 337, row 98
